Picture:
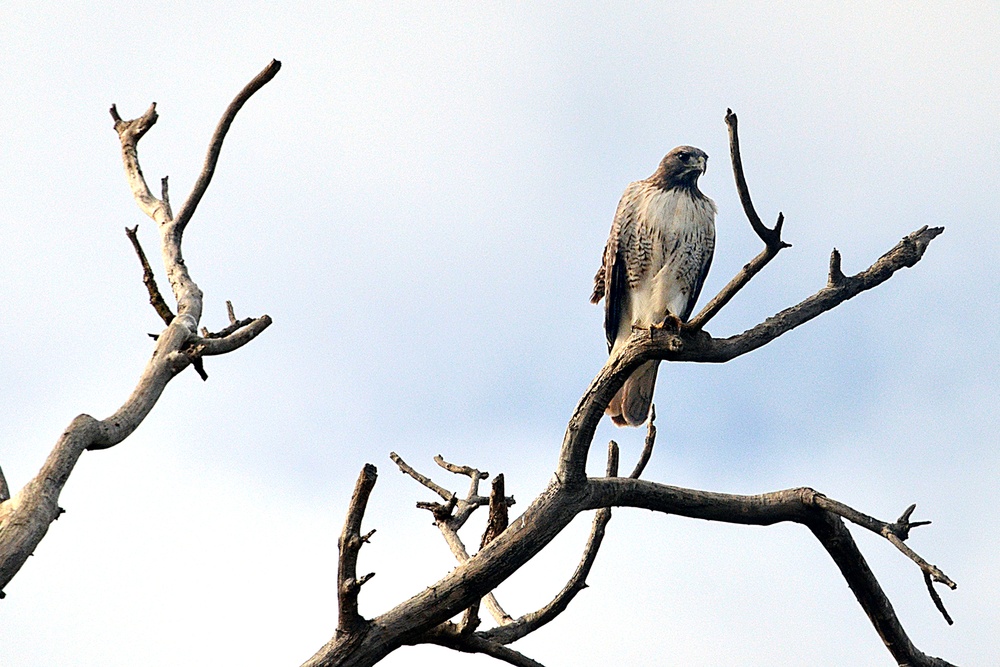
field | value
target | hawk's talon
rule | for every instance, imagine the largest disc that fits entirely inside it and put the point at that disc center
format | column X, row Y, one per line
column 671, row 323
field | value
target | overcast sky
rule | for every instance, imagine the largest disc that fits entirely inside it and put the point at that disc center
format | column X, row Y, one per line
column 420, row 199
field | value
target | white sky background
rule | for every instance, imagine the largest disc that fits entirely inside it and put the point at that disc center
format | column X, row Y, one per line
column 420, row 200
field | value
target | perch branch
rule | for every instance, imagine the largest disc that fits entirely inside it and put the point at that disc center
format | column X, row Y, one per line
column 698, row 346
column 425, row 616
column 348, row 583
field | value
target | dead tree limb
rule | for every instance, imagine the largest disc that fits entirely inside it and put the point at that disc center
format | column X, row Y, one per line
column 425, row 617
column 25, row 517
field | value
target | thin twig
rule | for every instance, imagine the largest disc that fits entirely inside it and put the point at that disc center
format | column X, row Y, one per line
column 423, row 479
column 744, row 275
column 149, row 280
column 647, row 448
column 348, row 583
column 230, row 329
column 929, row 581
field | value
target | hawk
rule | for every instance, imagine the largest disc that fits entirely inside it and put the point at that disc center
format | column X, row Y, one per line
column 655, row 263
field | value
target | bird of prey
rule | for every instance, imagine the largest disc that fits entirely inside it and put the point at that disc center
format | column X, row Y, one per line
column 655, row 263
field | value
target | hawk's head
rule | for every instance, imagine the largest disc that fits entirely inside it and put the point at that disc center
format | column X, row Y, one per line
column 681, row 167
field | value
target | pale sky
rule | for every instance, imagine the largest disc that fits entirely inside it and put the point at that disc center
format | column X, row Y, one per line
column 420, row 199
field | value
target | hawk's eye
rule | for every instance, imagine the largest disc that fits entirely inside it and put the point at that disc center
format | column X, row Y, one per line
column 683, row 156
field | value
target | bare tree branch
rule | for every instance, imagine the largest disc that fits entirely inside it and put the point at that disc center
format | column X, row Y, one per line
column 647, row 448
column 937, row 599
column 468, row 471
column 802, row 505
column 348, row 583
column 495, row 524
column 771, row 237
column 894, row 532
column 497, row 521
column 448, row 523
column 423, row 479
column 572, row 492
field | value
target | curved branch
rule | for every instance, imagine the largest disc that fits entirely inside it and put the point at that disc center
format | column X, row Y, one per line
column 770, row 237
column 215, row 145
column 449, row 636
column 801, row 505
column 209, row 346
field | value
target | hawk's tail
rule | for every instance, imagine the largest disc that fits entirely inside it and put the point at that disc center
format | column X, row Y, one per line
column 630, row 406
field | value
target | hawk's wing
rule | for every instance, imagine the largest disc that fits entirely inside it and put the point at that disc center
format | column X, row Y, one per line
column 699, row 282
column 624, row 257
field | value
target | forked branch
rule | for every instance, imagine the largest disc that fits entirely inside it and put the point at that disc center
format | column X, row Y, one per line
column 25, row 518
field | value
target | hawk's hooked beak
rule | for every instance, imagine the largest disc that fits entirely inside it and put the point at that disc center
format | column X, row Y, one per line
column 702, row 164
